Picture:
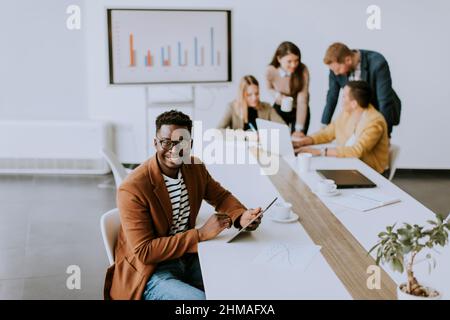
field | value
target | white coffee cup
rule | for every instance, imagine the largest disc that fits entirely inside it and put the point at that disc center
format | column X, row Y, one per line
column 304, row 162
column 327, row 186
column 286, row 104
column 282, row 210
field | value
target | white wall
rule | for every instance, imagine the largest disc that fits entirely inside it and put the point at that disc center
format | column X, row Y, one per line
column 42, row 63
column 66, row 74
column 412, row 38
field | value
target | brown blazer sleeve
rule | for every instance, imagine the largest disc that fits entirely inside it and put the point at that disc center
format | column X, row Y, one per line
column 138, row 228
column 221, row 199
column 226, row 121
column 274, row 116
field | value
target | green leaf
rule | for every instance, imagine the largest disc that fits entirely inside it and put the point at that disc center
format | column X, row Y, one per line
column 394, row 245
column 406, row 249
column 397, row 265
column 373, row 248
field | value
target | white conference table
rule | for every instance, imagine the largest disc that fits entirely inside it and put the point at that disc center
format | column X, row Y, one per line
column 365, row 226
column 228, row 269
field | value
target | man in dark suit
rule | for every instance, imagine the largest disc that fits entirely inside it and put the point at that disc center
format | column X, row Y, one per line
column 370, row 66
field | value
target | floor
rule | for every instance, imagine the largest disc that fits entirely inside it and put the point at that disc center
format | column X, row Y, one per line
column 430, row 187
column 48, row 223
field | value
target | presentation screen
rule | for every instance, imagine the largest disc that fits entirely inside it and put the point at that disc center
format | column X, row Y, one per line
column 169, row 46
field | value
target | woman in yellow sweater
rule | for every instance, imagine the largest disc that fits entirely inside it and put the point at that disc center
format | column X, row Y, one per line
column 360, row 131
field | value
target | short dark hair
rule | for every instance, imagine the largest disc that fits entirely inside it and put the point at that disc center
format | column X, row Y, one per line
column 173, row 117
column 361, row 92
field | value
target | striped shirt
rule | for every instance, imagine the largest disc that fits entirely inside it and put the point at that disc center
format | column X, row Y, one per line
column 180, row 203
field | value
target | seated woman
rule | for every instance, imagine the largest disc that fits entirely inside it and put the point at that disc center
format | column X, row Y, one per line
column 247, row 107
column 360, row 131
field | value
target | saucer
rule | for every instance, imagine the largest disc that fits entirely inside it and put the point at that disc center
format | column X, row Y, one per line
column 292, row 217
column 329, row 194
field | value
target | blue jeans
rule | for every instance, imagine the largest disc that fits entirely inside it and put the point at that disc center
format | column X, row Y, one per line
column 178, row 279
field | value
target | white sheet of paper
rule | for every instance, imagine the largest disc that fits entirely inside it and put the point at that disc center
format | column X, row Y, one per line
column 378, row 196
column 287, row 256
column 363, row 202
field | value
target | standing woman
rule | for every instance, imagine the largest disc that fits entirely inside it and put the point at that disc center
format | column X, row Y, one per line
column 242, row 112
column 286, row 77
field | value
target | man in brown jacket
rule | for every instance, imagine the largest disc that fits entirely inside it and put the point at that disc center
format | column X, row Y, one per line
column 156, row 251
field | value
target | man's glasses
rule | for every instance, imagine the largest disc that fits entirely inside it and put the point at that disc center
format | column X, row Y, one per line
column 168, row 144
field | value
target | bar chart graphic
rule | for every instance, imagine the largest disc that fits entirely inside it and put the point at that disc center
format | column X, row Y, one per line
column 163, row 46
column 148, row 59
column 132, row 52
column 182, row 62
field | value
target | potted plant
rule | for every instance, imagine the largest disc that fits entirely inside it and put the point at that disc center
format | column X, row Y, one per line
column 400, row 248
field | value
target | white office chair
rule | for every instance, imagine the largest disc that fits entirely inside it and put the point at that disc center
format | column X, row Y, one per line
column 118, row 170
column 110, row 226
column 394, row 151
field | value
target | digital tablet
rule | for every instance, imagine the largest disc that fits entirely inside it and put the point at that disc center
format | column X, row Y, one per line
column 251, row 221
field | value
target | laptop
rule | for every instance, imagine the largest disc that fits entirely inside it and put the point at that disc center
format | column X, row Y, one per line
column 275, row 138
column 347, row 179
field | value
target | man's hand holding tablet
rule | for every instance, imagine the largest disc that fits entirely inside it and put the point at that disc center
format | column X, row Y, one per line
column 251, row 219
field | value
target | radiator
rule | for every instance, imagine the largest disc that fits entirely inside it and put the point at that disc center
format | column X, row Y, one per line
column 54, row 147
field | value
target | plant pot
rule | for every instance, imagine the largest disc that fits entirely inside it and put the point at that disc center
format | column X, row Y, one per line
column 406, row 296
